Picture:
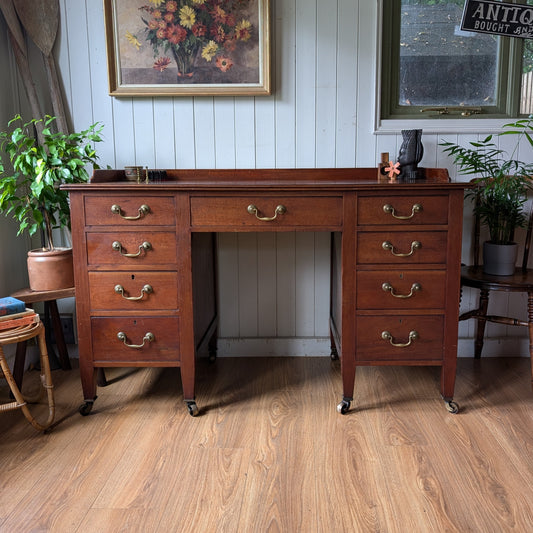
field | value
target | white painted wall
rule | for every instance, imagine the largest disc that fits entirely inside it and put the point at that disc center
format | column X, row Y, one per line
column 321, row 113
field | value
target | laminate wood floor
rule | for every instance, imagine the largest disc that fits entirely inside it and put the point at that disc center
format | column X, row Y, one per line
column 269, row 452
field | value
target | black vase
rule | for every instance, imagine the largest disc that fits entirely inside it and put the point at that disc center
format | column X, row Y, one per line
column 411, row 153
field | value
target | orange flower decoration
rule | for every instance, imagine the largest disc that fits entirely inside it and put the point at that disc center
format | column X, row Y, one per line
column 393, row 169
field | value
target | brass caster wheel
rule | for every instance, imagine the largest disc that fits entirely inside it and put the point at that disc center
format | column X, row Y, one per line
column 192, row 408
column 86, row 407
column 334, row 354
column 343, row 407
column 452, row 407
column 212, row 357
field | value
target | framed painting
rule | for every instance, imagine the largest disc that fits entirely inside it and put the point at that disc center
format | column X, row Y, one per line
column 188, row 47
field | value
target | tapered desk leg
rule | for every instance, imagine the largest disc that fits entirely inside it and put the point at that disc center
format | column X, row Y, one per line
column 88, row 385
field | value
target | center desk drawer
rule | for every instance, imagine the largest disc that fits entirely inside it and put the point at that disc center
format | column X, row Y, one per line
column 136, row 291
column 129, row 210
column 308, row 211
column 131, row 248
column 402, row 210
column 405, row 247
column 135, row 340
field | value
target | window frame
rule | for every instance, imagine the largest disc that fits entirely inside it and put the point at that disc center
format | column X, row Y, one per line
column 508, row 86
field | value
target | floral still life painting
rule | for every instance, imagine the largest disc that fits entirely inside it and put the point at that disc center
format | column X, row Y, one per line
column 187, row 47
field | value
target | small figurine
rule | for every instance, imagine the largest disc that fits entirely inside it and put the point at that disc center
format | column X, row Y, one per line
column 411, row 152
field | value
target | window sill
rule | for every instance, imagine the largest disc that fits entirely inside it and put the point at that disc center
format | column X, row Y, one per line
column 442, row 125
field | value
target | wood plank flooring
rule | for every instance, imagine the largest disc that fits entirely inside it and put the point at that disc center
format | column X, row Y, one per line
column 269, row 452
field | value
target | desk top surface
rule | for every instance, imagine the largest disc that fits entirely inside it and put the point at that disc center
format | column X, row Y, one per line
column 258, row 179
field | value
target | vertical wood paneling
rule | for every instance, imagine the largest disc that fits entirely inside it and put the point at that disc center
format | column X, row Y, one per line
column 286, row 284
column 145, row 123
column 305, row 285
column 265, row 132
column 184, row 134
column 79, row 59
column 102, row 105
column 247, row 264
column 366, row 154
column 305, row 82
column 346, row 84
column 322, row 266
column 266, row 285
column 228, row 284
column 245, row 132
column 326, row 79
column 124, row 128
column 225, row 132
column 285, row 98
column 163, row 127
column 204, row 132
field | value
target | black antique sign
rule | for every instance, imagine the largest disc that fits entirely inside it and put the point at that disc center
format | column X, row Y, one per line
column 498, row 18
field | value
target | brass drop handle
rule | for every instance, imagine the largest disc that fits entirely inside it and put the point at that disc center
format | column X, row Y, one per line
column 144, row 246
column 148, row 337
column 143, row 210
column 415, row 245
column 147, row 289
column 413, row 335
column 415, row 287
column 415, row 209
column 280, row 210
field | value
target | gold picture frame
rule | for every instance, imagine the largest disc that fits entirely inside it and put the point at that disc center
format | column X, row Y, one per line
column 188, row 47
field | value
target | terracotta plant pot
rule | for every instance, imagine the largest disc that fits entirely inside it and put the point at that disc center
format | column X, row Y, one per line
column 50, row 270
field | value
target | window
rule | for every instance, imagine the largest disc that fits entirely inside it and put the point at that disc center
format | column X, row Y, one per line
column 433, row 69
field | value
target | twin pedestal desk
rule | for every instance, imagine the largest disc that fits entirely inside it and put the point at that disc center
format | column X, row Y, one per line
column 144, row 262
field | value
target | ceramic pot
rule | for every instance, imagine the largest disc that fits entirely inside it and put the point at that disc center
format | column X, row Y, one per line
column 499, row 259
column 50, row 270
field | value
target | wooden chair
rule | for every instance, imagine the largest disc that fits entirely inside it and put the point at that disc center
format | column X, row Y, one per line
column 521, row 281
column 21, row 334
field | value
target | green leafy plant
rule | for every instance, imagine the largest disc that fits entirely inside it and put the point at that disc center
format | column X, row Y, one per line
column 31, row 194
column 501, row 188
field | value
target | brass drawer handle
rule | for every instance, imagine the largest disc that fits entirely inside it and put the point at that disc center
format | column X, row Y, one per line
column 415, row 245
column 415, row 287
column 415, row 209
column 143, row 210
column 413, row 335
column 148, row 337
column 280, row 210
column 144, row 246
column 147, row 289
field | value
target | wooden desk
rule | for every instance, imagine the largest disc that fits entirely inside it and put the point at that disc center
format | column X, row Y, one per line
column 144, row 259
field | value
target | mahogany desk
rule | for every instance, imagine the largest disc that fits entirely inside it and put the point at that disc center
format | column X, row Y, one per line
column 144, row 261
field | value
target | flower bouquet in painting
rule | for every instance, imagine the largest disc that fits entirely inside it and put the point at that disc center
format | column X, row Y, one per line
column 192, row 41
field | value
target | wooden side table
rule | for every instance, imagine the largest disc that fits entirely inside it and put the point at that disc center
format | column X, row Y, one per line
column 51, row 314
column 20, row 334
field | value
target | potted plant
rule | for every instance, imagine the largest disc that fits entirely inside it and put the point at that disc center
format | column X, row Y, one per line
column 32, row 193
column 499, row 193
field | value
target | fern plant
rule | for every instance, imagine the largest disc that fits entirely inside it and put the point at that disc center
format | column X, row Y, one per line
column 501, row 188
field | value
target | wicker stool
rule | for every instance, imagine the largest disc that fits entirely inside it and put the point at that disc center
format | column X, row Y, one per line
column 20, row 334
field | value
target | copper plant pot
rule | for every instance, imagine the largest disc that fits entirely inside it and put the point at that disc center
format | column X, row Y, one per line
column 50, row 270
